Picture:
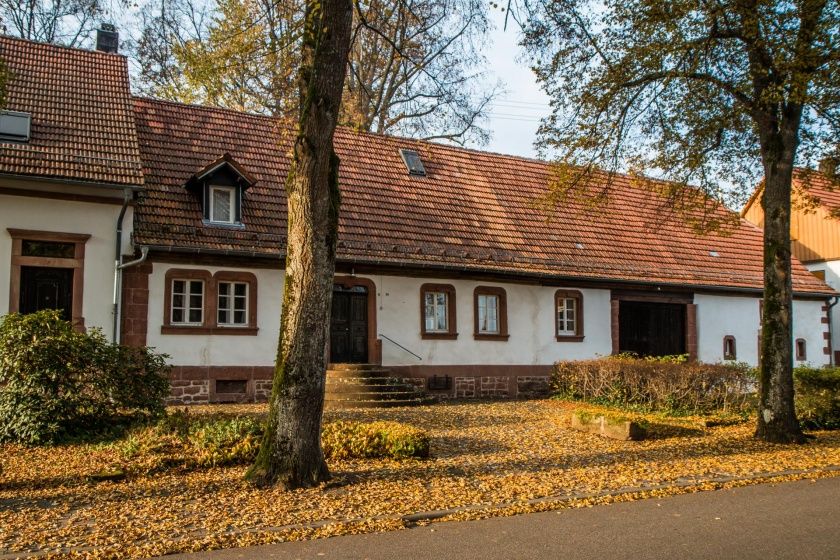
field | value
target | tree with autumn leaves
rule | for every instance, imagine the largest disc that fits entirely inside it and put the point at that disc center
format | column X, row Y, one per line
column 707, row 93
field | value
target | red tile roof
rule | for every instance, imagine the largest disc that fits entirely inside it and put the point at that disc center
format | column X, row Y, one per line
column 473, row 210
column 82, row 119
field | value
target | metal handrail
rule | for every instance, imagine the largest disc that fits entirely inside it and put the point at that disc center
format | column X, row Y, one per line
column 392, row 341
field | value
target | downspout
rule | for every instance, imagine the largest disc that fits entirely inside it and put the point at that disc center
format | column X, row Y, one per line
column 117, row 262
column 835, row 300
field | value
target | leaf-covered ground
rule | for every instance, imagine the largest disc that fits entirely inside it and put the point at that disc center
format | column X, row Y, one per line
column 488, row 459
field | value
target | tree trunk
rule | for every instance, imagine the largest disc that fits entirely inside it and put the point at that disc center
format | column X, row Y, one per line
column 776, row 415
column 290, row 453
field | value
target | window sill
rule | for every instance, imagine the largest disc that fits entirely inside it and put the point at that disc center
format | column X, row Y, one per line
column 223, row 225
column 488, row 336
column 438, row 336
column 192, row 329
column 569, row 338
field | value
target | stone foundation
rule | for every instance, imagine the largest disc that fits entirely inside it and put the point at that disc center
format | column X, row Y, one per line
column 190, row 392
column 530, row 387
column 494, row 387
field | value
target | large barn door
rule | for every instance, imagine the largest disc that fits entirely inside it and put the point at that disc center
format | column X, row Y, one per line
column 652, row 328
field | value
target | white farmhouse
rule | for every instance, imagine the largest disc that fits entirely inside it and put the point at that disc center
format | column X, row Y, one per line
column 164, row 224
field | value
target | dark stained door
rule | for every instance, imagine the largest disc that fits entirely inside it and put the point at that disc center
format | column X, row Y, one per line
column 46, row 288
column 349, row 326
column 651, row 329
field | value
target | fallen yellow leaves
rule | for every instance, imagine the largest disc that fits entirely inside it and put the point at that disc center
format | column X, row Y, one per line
column 488, row 459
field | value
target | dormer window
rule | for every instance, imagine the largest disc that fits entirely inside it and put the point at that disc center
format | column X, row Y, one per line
column 220, row 188
column 223, row 205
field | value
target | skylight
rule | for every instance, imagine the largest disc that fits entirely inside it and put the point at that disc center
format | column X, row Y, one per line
column 14, row 126
column 413, row 162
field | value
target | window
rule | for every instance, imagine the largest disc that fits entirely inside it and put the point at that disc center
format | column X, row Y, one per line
column 490, row 308
column 437, row 313
column 488, row 314
column 198, row 302
column 223, row 205
column 801, row 354
column 187, row 302
column 568, row 318
column 729, row 350
column 232, row 306
column 819, row 274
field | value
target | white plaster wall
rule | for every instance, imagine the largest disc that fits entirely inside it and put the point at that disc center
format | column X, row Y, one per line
column 738, row 316
column 218, row 349
column 832, row 278
column 530, row 325
column 807, row 324
column 95, row 219
column 720, row 316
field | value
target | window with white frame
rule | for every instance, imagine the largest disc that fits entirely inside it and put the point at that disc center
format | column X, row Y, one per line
column 223, row 205
column 437, row 312
column 232, row 307
column 187, row 302
column 567, row 315
column 488, row 314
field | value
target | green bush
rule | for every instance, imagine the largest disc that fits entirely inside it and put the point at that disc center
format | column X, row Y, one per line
column 668, row 384
column 344, row 440
column 56, row 382
column 817, row 397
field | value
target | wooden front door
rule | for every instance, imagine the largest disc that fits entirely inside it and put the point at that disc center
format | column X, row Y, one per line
column 652, row 329
column 349, row 326
column 46, row 288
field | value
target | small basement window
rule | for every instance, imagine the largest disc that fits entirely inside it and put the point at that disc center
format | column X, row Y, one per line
column 413, row 162
column 15, row 126
column 231, row 386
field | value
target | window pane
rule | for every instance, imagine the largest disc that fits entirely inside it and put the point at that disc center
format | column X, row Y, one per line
column 196, row 287
column 178, row 286
column 178, row 300
column 441, row 298
column 240, row 303
column 224, row 288
column 224, row 302
column 195, row 302
column 239, row 317
column 441, row 316
column 221, row 205
column 177, row 315
column 240, row 289
column 53, row 249
column 195, row 315
column 224, row 317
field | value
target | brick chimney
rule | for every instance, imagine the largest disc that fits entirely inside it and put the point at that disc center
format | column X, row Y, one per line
column 107, row 38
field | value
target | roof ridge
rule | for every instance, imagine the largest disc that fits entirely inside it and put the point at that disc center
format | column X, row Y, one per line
column 55, row 46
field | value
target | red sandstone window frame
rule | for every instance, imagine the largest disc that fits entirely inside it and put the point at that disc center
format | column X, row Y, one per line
column 210, row 323
column 77, row 263
column 501, row 312
column 801, row 348
column 451, row 332
column 730, row 350
column 578, row 332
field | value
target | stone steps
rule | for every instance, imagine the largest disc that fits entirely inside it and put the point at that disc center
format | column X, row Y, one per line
column 368, row 386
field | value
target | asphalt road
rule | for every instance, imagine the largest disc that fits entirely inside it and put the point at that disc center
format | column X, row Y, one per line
column 798, row 520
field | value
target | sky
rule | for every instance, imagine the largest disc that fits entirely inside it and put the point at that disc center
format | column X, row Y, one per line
column 514, row 118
